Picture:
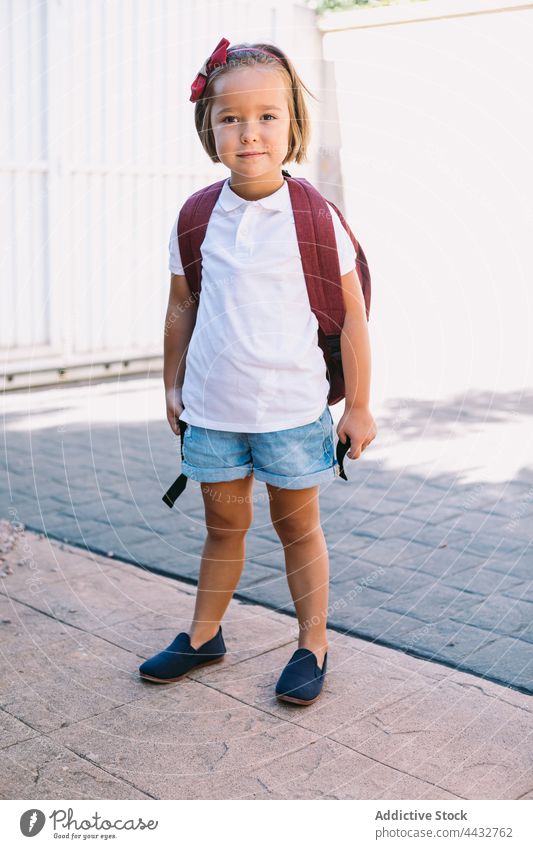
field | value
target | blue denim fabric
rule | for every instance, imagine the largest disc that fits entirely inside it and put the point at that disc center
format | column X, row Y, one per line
column 294, row 458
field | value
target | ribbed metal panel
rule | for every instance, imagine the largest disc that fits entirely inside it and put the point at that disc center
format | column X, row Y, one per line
column 99, row 150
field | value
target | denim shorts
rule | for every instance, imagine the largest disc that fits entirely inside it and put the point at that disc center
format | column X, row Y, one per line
column 294, row 458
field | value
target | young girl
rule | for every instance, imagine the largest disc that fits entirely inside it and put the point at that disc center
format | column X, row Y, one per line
column 254, row 390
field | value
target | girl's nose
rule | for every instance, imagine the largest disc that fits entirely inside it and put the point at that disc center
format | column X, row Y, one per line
column 248, row 132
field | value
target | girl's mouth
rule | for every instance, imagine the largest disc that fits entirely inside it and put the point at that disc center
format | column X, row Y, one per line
column 255, row 153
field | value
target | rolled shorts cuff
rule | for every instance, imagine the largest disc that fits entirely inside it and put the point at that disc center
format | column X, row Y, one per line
column 299, row 481
column 216, row 475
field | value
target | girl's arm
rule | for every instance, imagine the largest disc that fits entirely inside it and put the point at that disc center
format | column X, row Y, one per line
column 179, row 325
column 357, row 421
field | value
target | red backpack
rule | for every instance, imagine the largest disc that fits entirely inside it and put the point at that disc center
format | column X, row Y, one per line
column 320, row 263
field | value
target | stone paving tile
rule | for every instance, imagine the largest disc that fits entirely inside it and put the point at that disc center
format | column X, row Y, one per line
column 391, row 526
column 394, row 580
column 432, row 603
column 501, row 659
column 430, row 513
column 444, row 640
column 71, row 497
column 503, row 499
column 128, row 536
column 41, row 769
column 504, row 659
column 479, row 741
column 98, row 536
column 169, row 556
column 519, row 564
column 326, row 770
column 446, row 562
column 35, row 565
column 356, row 570
column 372, row 502
column 401, row 486
column 489, row 544
column 376, row 624
column 380, row 504
column 92, row 535
column 347, row 519
column 173, row 743
column 361, row 602
column 12, row 730
column 501, row 615
column 523, row 590
column 70, row 679
column 385, row 552
column 485, row 582
column 23, row 628
column 478, row 522
column 92, row 600
column 439, row 535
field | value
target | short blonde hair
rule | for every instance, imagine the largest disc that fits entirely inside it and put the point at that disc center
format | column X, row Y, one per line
column 299, row 133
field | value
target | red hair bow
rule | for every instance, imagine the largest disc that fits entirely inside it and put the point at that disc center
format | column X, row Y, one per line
column 218, row 57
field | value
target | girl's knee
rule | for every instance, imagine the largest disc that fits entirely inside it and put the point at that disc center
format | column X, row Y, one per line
column 228, row 508
column 296, row 528
column 221, row 528
column 295, row 514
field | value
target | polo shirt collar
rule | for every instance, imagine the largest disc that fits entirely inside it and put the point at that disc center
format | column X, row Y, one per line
column 278, row 200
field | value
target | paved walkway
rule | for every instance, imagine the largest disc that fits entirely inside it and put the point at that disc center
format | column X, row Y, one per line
column 430, row 540
column 78, row 723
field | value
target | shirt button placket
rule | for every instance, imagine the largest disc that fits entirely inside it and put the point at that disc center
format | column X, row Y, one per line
column 243, row 241
column 241, row 232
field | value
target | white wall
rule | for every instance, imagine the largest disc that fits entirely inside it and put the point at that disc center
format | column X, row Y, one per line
column 436, row 151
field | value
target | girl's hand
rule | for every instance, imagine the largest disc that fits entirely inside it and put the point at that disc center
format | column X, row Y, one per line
column 174, row 408
column 357, row 423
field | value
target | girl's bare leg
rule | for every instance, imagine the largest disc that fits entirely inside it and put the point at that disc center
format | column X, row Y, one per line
column 296, row 517
column 228, row 515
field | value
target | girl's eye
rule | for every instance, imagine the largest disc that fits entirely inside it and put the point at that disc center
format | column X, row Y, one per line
column 232, row 118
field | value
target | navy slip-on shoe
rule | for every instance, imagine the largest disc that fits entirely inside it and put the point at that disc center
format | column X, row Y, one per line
column 302, row 679
column 180, row 657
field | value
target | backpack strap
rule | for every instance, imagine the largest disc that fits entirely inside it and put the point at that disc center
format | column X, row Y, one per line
column 175, row 490
column 320, row 262
column 318, row 250
column 321, row 268
column 192, row 225
column 361, row 264
column 317, row 210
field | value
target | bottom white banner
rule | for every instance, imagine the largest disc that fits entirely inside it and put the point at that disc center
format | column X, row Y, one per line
column 360, row 823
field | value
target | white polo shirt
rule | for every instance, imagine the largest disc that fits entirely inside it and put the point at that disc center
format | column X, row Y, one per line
column 253, row 362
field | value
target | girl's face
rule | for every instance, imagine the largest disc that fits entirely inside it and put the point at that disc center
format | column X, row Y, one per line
column 250, row 121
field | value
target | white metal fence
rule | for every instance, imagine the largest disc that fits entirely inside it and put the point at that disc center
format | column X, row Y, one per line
column 99, row 150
